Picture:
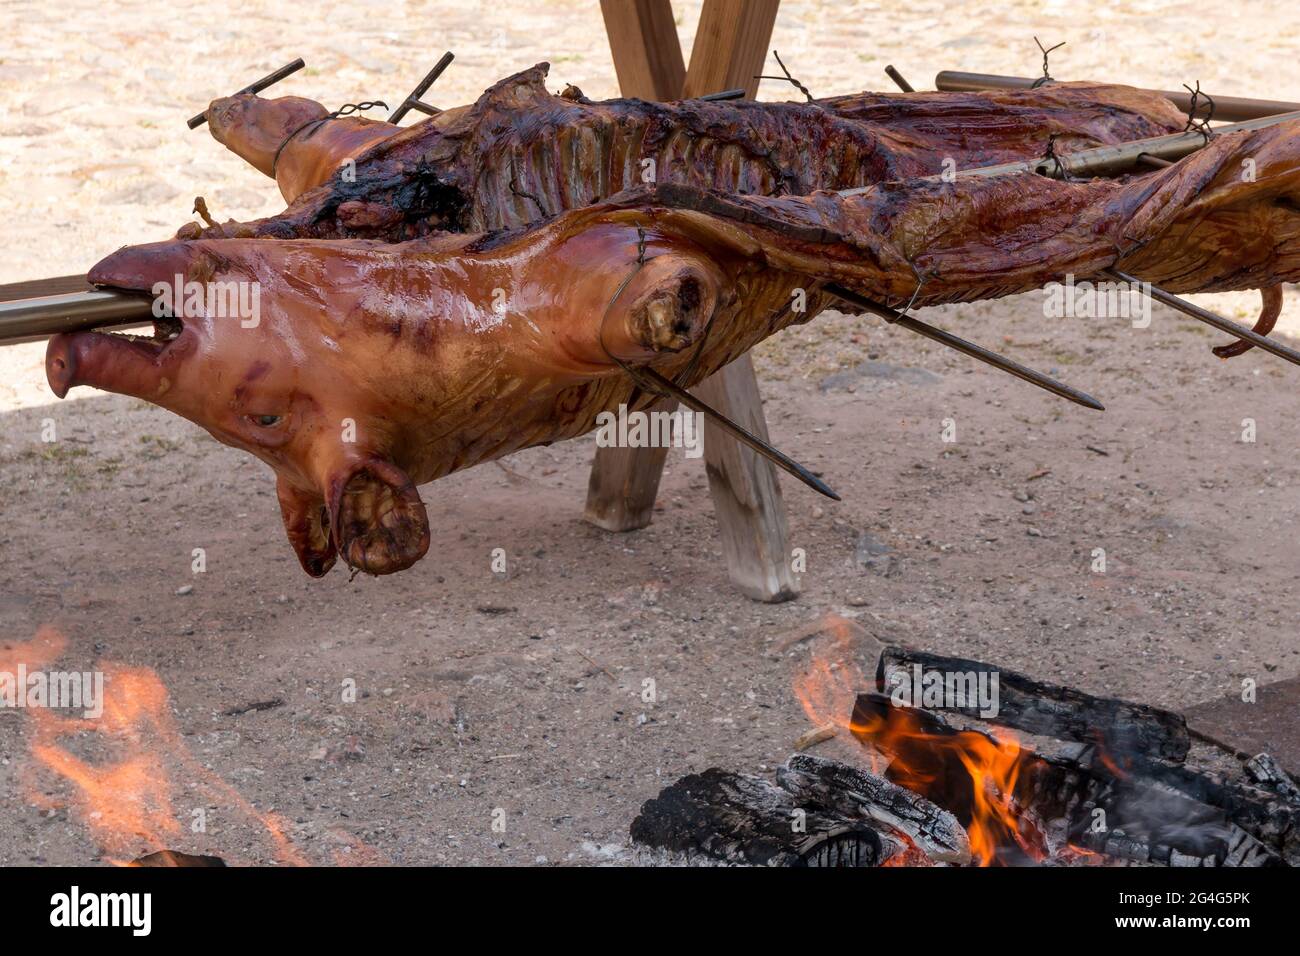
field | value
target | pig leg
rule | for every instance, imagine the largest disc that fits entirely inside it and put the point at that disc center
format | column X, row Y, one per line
column 379, row 520
column 306, row 521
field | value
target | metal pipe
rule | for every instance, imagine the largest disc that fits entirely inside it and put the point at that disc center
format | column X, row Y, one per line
column 29, row 320
column 724, row 95
column 1229, row 108
column 255, row 87
column 412, row 102
column 1111, row 160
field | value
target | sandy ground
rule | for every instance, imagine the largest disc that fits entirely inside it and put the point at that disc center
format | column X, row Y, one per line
column 523, row 694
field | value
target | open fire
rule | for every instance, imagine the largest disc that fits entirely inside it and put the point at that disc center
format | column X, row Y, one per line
column 975, row 771
column 1033, row 774
column 127, row 773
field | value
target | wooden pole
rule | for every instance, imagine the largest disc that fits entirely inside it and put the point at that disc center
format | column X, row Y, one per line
column 730, row 47
column 647, row 55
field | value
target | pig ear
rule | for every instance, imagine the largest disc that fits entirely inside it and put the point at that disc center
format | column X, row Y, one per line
column 307, row 523
column 379, row 521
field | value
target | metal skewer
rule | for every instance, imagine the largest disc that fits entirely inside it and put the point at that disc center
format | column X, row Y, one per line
column 894, row 317
column 270, row 79
column 897, row 77
column 724, row 95
column 413, row 102
column 1155, row 162
column 1208, row 317
column 652, row 381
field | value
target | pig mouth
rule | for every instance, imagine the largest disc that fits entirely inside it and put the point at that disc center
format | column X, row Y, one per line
column 166, row 329
column 124, row 362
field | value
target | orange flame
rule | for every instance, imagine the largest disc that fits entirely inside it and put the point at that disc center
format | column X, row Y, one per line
column 973, row 774
column 970, row 773
column 126, row 800
column 830, row 685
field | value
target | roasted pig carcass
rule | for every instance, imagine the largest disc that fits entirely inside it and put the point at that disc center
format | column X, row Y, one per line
column 520, row 153
column 376, row 366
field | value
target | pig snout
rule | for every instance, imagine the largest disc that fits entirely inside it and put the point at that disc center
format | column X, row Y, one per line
column 61, row 364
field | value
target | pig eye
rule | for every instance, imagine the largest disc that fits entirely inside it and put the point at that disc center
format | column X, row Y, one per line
column 266, row 421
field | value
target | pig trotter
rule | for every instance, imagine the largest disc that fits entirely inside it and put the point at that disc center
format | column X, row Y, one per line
column 201, row 208
column 307, row 523
column 379, row 521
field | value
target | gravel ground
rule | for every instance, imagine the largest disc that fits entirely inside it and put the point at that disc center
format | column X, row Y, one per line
column 521, row 698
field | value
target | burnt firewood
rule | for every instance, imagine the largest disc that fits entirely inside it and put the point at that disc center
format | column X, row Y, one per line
column 1120, row 846
column 1153, row 812
column 851, row 792
column 1048, row 710
column 1265, row 815
column 741, row 819
column 1270, row 775
column 932, row 758
column 1132, row 820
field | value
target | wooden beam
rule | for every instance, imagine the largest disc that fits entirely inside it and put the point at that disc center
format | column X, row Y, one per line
column 728, row 53
column 729, row 50
column 730, row 46
column 746, row 494
column 647, row 54
column 624, row 483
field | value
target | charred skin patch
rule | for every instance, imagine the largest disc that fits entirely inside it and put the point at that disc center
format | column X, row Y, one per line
column 409, row 202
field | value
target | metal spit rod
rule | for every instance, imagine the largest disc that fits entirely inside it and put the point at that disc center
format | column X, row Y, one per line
column 29, row 320
column 1111, row 160
column 255, row 87
column 1229, row 108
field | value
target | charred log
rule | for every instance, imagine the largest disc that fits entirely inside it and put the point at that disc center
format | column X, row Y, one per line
column 1271, row 819
column 1048, row 710
column 1269, row 774
column 1140, row 809
column 1133, row 820
column 740, row 819
column 850, row 791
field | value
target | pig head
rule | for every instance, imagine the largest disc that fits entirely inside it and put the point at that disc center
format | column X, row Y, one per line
column 367, row 368
column 297, row 395
column 291, row 139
